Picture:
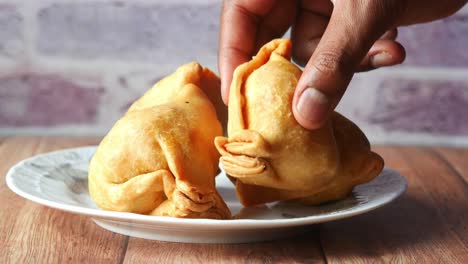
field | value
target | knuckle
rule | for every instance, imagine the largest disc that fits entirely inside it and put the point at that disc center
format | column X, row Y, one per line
column 331, row 63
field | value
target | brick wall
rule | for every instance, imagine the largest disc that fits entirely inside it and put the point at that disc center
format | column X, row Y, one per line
column 424, row 100
column 73, row 67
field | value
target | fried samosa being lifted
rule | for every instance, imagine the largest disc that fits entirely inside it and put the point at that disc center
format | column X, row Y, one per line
column 270, row 157
column 159, row 159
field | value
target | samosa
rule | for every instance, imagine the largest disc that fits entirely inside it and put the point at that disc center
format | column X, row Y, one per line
column 270, row 157
column 159, row 158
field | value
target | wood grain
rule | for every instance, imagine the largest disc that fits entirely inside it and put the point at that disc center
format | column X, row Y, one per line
column 31, row 233
column 301, row 249
column 457, row 158
column 426, row 225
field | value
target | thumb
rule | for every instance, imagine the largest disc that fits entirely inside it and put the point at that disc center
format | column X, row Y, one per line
column 354, row 26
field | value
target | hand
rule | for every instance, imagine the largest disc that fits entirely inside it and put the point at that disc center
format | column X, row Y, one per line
column 333, row 39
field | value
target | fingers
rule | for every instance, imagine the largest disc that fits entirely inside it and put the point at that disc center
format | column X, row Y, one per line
column 306, row 39
column 383, row 53
column 239, row 22
column 390, row 34
column 353, row 28
column 276, row 22
column 311, row 22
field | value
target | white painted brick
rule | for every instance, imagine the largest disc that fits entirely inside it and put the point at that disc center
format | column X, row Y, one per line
column 11, row 32
column 162, row 33
column 40, row 99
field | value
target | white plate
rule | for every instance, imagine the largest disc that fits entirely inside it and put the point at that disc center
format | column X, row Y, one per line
column 59, row 180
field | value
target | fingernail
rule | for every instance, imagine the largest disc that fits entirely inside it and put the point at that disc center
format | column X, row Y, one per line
column 313, row 105
column 381, row 59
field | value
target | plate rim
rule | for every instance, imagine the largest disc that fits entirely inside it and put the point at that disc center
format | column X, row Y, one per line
column 195, row 222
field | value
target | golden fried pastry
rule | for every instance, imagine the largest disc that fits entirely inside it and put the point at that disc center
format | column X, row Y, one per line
column 160, row 159
column 270, row 157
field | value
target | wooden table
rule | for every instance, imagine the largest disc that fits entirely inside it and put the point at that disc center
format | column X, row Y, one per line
column 428, row 224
